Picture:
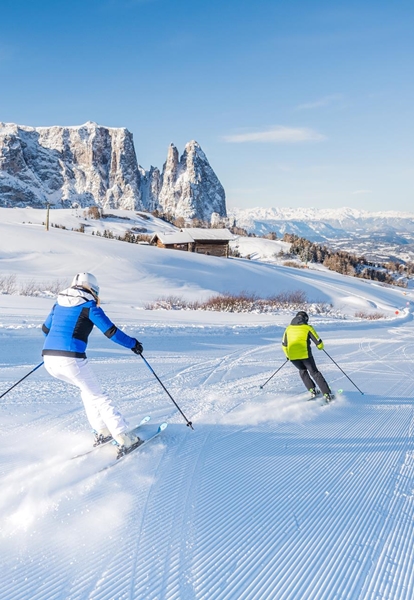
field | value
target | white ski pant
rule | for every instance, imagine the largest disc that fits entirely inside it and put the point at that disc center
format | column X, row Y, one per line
column 99, row 408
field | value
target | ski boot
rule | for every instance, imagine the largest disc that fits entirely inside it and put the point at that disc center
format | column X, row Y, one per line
column 313, row 393
column 102, row 436
column 126, row 442
column 328, row 397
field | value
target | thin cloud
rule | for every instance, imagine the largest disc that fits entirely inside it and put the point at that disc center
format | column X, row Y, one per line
column 322, row 102
column 277, row 135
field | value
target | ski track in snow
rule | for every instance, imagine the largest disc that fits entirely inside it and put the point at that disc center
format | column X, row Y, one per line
column 271, row 497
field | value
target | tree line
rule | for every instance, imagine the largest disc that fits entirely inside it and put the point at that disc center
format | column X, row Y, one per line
column 348, row 263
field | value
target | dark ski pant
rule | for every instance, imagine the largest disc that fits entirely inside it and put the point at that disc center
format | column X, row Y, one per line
column 308, row 370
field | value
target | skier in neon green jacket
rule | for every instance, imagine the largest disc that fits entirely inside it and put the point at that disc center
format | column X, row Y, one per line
column 296, row 344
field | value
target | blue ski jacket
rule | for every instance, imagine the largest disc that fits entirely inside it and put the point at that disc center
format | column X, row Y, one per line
column 70, row 322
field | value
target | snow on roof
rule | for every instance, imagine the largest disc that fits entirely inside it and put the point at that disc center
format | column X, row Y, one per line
column 173, row 237
column 197, row 233
column 193, row 234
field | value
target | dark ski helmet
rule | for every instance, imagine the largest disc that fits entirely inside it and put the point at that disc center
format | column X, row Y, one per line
column 304, row 316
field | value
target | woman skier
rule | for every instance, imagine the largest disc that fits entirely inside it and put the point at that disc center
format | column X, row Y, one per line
column 67, row 328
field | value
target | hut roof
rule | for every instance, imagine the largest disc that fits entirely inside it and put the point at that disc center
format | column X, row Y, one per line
column 193, row 234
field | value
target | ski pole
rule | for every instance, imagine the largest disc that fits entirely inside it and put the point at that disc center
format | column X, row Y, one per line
column 20, row 380
column 277, row 371
column 343, row 372
column 189, row 423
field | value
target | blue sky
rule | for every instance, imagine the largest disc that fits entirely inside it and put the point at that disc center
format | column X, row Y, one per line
column 295, row 103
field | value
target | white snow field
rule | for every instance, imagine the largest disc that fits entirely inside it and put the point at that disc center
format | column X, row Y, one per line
column 270, row 497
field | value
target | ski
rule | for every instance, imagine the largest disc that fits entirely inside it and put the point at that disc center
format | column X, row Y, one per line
column 110, row 440
column 123, row 452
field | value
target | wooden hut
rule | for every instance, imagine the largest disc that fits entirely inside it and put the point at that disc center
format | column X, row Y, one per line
column 214, row 242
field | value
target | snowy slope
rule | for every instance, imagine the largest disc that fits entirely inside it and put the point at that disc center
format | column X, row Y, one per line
column 140, row 274
column 270, row 497
column 259, row 248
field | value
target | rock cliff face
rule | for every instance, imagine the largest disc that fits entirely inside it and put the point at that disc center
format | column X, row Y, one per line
column 94, row 165
column 86, row 165
column 150, row 188
column 190, row 188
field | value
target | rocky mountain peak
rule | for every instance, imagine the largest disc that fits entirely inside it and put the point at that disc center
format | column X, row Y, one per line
column 95, row 165
column 190, row 188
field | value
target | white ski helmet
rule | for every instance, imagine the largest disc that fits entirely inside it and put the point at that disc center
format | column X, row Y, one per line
column 87, row 281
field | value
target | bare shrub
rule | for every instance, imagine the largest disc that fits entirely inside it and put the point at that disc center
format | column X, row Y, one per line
column 29, row 288
column 143, row 215
column 139, row 229
column 293, row 299
column 55, row 286
column 167, row 303
column 193, row 305
column 242, row 302
column 93, row 212
column 111, row 216
column 8, row 284
column 292, row 263
column 246, row 302
column 140, row 237
column 179, row 222
column 370, row 316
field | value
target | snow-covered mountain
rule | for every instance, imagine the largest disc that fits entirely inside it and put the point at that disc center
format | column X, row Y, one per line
column 328, row 224
column 95, row 165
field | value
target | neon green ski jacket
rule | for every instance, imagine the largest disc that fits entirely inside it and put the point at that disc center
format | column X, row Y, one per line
column 296, row 342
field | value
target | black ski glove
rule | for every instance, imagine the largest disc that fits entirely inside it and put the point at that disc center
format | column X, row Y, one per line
column 138, row 348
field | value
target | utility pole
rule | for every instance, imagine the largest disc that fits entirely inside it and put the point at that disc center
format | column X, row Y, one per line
column 47, row 215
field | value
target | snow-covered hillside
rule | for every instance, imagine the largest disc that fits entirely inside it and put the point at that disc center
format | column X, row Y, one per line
column 270, row 497
column 143, row 273
column 116, row 221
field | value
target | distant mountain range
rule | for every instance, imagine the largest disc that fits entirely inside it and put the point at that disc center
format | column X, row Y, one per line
column 320, row 225
column 94, row 165
column 379, row 235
